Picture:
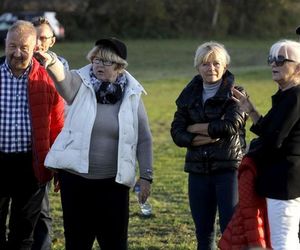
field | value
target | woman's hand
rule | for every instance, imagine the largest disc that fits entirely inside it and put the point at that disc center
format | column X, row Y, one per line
column 202, row 130
column 245, row 104
column 45, row 58
column 202, row 140
column 243, row 101
column 198, row 128
column 56, row 183
column 145, row 190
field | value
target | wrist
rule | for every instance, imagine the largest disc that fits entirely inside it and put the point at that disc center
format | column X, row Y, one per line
column 251, row 111
column 147, row 179
column 53, row 58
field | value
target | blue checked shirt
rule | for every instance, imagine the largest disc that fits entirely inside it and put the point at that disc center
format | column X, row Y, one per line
column 15, row 127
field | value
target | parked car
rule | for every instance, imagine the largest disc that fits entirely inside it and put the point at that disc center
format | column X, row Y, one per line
column 8, row 18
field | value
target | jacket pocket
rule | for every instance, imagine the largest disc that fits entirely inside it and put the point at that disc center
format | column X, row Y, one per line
column 68, row 139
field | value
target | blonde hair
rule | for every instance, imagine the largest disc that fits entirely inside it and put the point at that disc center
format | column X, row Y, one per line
column 22, row 27
column 211, row 50
column 106, row 54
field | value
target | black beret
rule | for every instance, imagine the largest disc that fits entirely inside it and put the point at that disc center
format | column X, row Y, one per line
column 116, row 45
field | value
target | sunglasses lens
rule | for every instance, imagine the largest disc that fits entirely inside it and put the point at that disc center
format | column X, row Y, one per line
column 279, row 61
column 271, row 60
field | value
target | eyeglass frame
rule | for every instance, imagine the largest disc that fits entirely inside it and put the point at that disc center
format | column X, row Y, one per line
column 279, row 60
column 45, row 38
column 107, row 63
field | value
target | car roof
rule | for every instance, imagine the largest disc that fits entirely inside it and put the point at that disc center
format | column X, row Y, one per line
column 8, row 18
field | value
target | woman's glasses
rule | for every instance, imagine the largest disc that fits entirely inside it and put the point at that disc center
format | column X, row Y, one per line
column 279, row 60
column 103, row 62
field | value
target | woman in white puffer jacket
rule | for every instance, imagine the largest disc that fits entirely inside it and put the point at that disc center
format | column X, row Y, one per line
column 105, row 131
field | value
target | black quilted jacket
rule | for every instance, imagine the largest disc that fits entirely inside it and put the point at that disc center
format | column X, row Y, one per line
column 226, row 122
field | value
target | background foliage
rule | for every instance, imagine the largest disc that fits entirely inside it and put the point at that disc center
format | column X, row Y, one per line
column 91, row 19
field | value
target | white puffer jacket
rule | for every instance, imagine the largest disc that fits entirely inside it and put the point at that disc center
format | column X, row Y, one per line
column 71, row 148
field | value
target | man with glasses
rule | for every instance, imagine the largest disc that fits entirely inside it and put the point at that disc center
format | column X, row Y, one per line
column 46, row 40
column 46, row 37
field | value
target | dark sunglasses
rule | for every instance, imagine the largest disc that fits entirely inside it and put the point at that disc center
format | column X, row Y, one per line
column 279, row 60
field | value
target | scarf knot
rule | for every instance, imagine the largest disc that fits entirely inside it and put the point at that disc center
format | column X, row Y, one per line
column 108, row 92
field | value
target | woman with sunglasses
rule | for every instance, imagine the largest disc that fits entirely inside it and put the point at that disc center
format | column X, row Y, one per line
column 105, row 130
column 276, row 151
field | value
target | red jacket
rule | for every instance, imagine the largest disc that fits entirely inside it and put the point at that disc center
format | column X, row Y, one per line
column 249, row 225
column 46, row 108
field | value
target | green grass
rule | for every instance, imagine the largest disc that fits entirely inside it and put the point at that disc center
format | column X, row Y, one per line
column 164, row 67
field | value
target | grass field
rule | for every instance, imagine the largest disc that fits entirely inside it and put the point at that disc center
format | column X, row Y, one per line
column 164, row 67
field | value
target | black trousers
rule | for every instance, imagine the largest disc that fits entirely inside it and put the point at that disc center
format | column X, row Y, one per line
column 42, row 231
column 94, row 209
column 19, row 187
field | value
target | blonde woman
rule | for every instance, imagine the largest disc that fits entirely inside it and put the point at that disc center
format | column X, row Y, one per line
column 211, row 126
column 106, row 130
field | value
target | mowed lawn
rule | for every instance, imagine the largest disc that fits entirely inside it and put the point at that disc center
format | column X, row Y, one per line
column 164, row 67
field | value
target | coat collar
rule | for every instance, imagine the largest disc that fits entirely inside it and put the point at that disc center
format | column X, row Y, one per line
column 133, row 85
column 193, row 91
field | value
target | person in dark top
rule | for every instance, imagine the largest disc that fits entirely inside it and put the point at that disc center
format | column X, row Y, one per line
column 211, row 126
column 276, row 150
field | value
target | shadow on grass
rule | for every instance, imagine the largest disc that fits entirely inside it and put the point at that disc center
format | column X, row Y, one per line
column 148, row 248
column 142, row 217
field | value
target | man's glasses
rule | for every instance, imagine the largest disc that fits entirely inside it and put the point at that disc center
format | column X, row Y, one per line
column 44, row 38
column 104, row 62
column 279, row 60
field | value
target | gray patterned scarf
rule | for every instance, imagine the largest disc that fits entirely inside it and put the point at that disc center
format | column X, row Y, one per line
column 107, row 92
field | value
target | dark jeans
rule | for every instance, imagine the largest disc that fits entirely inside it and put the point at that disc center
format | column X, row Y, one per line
column 18, row 186
column 207, row 193
column 42, row 231
column 94, row 209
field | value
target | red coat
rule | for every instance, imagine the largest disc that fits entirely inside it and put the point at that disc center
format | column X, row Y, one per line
column 47, row 117
column 249, row 225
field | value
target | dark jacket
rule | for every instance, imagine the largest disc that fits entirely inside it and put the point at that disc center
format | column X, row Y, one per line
column 46, row 115
column 277, row 149
column 226, row 122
